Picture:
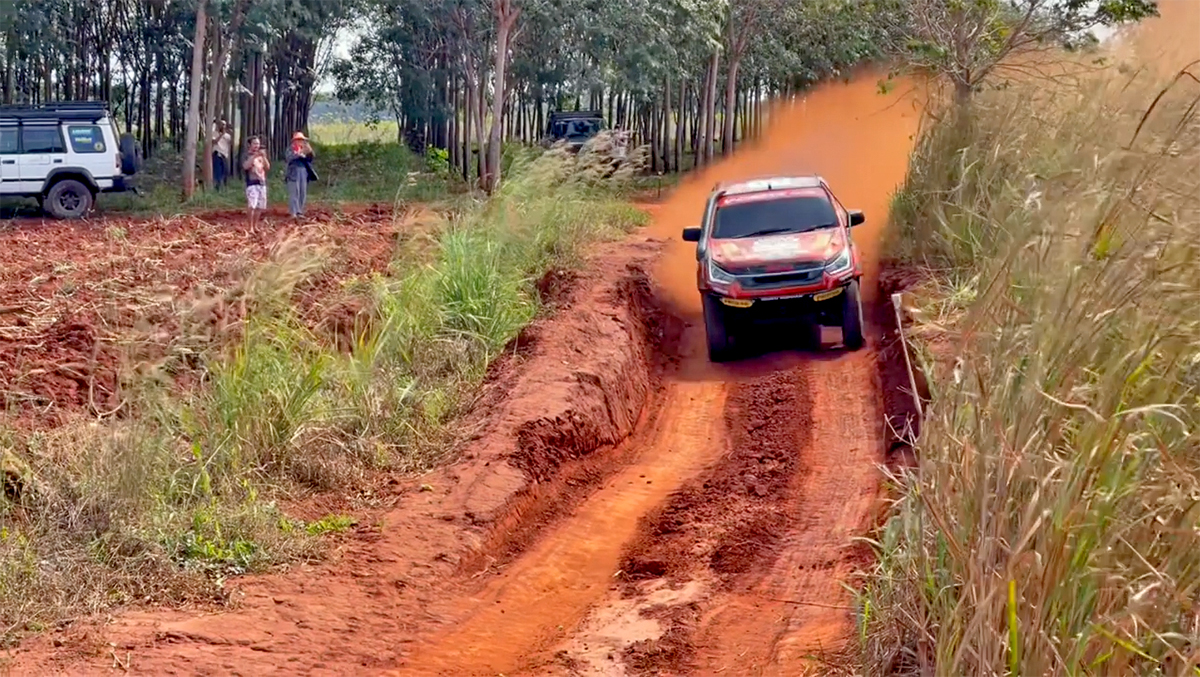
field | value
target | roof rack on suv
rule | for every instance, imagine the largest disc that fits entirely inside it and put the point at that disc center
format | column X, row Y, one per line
column 567, row 114
column 89, row 111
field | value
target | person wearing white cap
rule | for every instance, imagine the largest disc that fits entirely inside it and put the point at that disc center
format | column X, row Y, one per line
column 299, row 170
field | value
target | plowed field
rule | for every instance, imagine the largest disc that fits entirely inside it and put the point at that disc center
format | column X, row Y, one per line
column 83, row 304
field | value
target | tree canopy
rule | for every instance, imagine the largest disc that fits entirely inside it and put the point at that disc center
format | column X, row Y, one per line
column 967, row 40
column 687, row 78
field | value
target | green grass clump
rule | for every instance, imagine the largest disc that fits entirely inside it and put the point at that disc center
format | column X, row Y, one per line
column 1051, row 526
column 185, row 490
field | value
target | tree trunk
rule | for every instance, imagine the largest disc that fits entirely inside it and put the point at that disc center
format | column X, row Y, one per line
column 468, row 128
column 452, row 146
column 962, row 92
column 193, row 119
column 480, row 149
column 666, row 125
column 710, row 120
column 506, row 17
column 702, row 112
column 680, row 124
column 731, row 105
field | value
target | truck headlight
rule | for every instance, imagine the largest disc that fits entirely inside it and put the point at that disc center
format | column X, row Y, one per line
column 840, row 263
column 717, row 276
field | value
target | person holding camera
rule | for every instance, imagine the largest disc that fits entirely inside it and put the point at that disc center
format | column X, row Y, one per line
column 299, row 173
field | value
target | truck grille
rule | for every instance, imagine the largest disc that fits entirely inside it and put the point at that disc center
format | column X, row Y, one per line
column 793, row 278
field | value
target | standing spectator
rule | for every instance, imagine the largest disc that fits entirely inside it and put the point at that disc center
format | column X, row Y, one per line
column 222, row 149
column 299, row 169
column 256, row 166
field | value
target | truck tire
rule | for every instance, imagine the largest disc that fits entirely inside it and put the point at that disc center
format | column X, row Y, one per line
column 716, row 330
column 852, row 318
column 68, row 199
column 131, row 155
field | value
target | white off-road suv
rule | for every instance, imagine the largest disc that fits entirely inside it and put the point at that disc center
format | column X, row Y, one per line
column 63, row 155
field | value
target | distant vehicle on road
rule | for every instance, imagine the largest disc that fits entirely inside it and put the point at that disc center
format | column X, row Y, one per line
column 574, row 127
column 63, row 155
column 776, row 250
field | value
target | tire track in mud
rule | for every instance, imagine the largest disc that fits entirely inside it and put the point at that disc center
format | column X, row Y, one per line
column 781, row 620
column 760, row 542
column 549, row 588
column 728, row 516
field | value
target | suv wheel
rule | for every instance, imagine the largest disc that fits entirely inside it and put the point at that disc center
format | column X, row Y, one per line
column 716, row 330
column 68, row 199
column 852, row 318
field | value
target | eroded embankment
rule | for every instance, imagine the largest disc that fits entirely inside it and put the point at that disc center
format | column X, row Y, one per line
column 548, row 430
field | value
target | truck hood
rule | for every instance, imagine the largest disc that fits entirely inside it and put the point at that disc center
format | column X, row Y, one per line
column 817, row 246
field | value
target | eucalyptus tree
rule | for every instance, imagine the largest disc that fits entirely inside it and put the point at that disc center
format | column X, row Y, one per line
column 968, row 40
column 193, row 117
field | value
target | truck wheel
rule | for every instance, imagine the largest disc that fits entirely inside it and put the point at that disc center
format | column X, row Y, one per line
column 852, row 318
column 716, row 330
column 68, row 199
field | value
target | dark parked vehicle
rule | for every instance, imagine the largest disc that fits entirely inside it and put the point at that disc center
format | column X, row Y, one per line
column 574, row 127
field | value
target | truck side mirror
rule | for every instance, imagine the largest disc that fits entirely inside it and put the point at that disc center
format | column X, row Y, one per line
column 691, row 234
column 857, row 218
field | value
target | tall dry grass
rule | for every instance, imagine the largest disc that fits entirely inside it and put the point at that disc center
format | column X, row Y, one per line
column 167, row 503
column 1052, row 525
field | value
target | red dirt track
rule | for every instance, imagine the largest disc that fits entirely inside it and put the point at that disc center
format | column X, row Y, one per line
column 628, row 508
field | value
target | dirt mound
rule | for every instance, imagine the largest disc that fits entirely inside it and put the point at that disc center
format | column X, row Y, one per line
column 61, row 363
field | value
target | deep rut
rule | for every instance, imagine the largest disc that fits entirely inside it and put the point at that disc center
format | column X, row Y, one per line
column 782, row 619
column 533, row 602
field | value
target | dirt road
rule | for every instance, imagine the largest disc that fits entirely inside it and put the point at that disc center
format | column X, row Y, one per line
column 722, row 546
column 620, row 513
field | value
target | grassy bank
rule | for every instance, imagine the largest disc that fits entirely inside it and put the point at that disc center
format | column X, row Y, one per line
column 1050, row 527
column 184, row 488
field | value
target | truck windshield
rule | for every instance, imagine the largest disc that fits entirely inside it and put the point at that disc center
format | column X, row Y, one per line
column 773, row 216
column 579, row 128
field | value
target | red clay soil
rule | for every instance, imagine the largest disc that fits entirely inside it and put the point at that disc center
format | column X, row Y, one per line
column 360, row 612
column 626, row 506
column 82, row 301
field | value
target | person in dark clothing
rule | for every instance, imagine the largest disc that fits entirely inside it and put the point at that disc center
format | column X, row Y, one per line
column 299, row 168
column 222, row 144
